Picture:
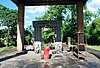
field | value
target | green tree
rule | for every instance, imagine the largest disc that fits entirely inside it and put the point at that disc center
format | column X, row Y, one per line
column 88, row 15
column 94, row 34
column 71, row 23
column 67, row 14
column 48, row 36
column 55, row 12
column 29, row 34
column 97, row 13
column 8, row 18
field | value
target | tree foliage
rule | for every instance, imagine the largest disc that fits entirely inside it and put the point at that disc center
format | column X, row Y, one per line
column 48, row 36
column 94, row 34
column 28, row 35
column 8, row 18
column 55, row 12
column 67, row 14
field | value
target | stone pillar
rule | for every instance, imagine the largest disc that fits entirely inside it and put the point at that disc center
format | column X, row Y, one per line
column 58, row 42
column 69, row 40
column 38, row 39
column 38, row 34
column 79, row 8
column 35, row 33
column 41, row 34
column 57, row 34
column 20, row 27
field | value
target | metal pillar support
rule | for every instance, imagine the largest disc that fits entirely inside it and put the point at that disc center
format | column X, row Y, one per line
column 80, row 22
column 20, row 27
column 80, row 33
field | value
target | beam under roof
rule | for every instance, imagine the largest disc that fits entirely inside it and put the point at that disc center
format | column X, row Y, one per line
column 46, row 2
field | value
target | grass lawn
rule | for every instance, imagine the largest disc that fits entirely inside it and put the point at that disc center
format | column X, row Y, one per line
column 94, row 47
column 6, row 48
column 3, row 49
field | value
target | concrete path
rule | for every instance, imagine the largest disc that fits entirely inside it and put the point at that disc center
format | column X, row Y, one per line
column 65, row 60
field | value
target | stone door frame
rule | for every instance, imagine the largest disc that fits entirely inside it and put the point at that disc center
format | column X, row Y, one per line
column 38, row 25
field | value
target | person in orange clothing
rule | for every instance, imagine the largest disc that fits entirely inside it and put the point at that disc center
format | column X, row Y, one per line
column 46, row 52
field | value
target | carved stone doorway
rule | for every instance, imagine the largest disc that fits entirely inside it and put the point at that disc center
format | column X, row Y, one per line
column 38, row 25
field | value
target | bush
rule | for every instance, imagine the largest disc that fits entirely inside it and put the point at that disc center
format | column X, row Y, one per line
column 2, row 44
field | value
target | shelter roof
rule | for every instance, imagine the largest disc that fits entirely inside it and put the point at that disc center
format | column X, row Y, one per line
column 46, row 2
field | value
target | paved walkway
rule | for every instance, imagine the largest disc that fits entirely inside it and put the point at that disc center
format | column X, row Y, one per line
column 65, row 60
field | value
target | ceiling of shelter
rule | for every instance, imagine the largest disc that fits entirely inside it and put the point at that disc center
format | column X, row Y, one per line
column 46, row 2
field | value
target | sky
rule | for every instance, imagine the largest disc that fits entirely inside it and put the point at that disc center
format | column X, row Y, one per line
column 31, row 12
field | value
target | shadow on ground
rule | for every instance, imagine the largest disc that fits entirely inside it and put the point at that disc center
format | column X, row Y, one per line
column 13, row 55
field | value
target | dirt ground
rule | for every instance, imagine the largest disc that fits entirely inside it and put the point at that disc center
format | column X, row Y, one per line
column 30, row 59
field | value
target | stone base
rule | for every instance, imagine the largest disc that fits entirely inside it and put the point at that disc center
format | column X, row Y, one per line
column 58, row 47
column 30, row 47
column 37, row 46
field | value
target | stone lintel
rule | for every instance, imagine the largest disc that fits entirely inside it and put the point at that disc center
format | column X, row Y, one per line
column 43, row 23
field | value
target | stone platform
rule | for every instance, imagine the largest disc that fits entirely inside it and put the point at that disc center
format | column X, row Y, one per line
column 65, row 60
